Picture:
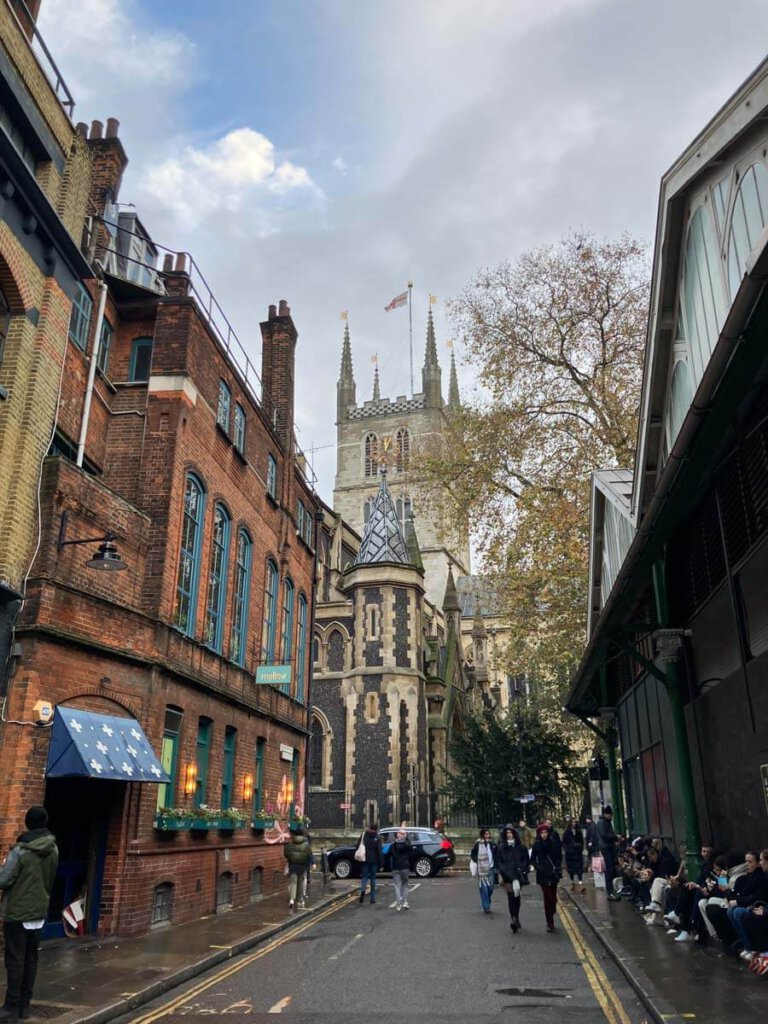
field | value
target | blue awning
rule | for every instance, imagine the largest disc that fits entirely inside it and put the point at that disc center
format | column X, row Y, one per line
column 84, row 743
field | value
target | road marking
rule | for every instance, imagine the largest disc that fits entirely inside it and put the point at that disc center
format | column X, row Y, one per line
column 279, row 1007
column 411, row 888
column 241, row 963
column 344, row 949
column 602, row 988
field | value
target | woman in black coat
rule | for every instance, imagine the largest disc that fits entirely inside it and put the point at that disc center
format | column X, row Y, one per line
column 573, row 845
column 512, row 866
column 547, row 858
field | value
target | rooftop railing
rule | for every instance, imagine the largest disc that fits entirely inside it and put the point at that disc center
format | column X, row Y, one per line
column 47, row 64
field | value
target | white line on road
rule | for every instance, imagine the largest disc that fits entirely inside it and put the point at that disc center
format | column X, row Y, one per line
column 344, row 949
column 411, row 888
column 279, row 1007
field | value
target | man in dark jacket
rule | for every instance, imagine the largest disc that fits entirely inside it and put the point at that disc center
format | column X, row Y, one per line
column 401, row 867
column 608, row 841
column 298, row 852
column 26, row 879
column 372, row 861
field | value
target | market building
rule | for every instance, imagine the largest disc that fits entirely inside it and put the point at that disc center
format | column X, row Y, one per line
column 675, row 669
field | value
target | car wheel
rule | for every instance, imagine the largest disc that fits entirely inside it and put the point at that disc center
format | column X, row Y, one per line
column 343, row 868
column 423, row 867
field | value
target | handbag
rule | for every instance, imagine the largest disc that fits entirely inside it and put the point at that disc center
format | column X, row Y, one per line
column 598, row 864
column 360, row 851
column 473, row 868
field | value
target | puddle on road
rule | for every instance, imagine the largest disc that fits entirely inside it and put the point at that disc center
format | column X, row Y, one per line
column 537, row 993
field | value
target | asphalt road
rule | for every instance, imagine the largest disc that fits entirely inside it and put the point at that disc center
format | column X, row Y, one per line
column 442, row 959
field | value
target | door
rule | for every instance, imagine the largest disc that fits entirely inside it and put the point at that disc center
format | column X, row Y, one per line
column 79, row 812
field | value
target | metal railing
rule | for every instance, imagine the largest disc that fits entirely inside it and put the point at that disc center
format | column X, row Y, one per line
column 47, row 64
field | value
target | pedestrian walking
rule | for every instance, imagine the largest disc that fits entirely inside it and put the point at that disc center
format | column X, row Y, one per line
column 526, row 833
column 482, row 865
column 298, row 852
column 401, row 868
column 372, row 862
column 573, row 845
column 547, row 858
column 607, row 843
column 590, row 836
column 26, row 879
column 512, row 864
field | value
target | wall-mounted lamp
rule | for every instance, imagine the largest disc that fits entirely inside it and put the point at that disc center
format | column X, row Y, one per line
column 105, row 557
column 190, row 779
column 247, row 788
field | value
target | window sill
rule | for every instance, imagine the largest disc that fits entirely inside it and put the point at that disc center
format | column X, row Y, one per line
column 224, row 433
column 240, row 454
column 272, row 500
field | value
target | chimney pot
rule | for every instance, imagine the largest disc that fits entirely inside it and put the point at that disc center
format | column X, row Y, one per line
column 112, row 127
column 285, row 309
column 272, row 312
column 168, row 262
column 82, row 129
column 181, row 262
column 97, row 129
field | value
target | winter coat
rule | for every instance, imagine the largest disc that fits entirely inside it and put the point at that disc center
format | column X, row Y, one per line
column 298, row 851
column 27, row 876
column 494, row 854
column 401, row 854
column 751, row 887
column 372, row 847
column 547, row 858
column 606, row 837
column 592, row 841
column 665, row 864
column 573, row 844
column 512, row 862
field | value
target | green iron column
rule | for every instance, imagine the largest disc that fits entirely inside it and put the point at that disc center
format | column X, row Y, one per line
column 669, row 644
column 611, row 743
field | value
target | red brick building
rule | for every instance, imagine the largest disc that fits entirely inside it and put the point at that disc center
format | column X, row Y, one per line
column 167, row 441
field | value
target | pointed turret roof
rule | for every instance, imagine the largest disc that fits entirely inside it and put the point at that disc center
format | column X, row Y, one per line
column 451, row 599
column 430, row 353
column 412, row 543
column 346, row 376
column 454, row 399
column 383, row 540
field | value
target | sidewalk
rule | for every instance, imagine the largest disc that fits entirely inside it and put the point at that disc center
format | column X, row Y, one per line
column 93, row 982
column 675, row 981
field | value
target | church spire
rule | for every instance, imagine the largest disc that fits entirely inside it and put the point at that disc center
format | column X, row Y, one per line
column 376, row 390
column 412, row 543
column 383, row 539
column 345, row 386
column 430, row 354
column 431, row 374
column 454, row 399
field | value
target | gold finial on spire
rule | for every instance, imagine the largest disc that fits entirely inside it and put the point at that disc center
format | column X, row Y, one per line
column 449, row 344
column 432, row 299
column 374, row 359
column 344, row 314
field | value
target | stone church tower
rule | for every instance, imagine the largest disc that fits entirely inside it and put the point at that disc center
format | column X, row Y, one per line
column 386, row 430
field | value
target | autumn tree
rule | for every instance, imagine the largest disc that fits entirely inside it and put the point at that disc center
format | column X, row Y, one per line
column 556, row 342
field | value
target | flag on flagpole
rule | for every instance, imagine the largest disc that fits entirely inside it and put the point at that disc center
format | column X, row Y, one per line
column 432, row 299
column 399, row 300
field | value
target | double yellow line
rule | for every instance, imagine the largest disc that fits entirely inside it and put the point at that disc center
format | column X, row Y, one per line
column 604, row 991
column 240, row 963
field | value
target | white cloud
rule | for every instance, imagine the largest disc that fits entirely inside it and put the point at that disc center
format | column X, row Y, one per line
column 229, row 173
column 340, row 164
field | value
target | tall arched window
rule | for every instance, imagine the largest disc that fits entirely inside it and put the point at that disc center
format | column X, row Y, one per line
column 286, row 640
column 403, row 449
column 270, row 615
column 703, row 303
column 749, row 217
column 217, row 579
column 403, row 509
column 371, row 455
column 335, row 652
column 242, row 593
column 301, row 649
column 316, row 744
column 367, row 506
column 189, row 556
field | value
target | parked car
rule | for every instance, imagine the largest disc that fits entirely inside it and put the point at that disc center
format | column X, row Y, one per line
column 430, row 853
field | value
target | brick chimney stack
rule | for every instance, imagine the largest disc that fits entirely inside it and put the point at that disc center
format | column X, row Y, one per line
column 108, row 160
column 278, row 359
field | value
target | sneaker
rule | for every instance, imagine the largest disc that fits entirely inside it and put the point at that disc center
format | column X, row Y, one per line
column 613, row 897
column 684, row 937
column 654, row 906
column 672, row 917
column 650, row 919
column 300, row 904
column 746, row 954
column 671, row 931
column 290, row 904
column 406, row 905
column 398, row 906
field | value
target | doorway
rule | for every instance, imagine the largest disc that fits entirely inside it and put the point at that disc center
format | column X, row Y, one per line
column 79, row 813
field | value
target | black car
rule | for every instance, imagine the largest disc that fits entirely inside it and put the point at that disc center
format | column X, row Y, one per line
column 430, row 853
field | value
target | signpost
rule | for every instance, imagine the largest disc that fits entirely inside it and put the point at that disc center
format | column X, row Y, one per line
column 273, row 675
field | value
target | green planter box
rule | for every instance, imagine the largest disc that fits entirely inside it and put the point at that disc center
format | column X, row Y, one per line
column 202, row 824
column 163, row 824
column 262, row 823
column 230, row 824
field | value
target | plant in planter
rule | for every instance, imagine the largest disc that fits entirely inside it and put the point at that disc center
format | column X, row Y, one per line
column 204, row 817
column 232, row 818
column 262, row 819
column 173, row 819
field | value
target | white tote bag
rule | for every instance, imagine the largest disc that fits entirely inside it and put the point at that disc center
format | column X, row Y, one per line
column 360, row 851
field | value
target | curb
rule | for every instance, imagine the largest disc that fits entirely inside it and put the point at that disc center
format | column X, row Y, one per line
column 661, row 1011
column 213, row 959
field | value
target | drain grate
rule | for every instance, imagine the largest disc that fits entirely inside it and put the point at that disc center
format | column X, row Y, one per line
column 47, row 1011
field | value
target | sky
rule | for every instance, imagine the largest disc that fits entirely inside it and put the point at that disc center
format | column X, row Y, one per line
column 328, row 151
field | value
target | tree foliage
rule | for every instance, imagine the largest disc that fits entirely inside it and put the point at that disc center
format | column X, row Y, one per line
column 499, row 758
column 556, row 342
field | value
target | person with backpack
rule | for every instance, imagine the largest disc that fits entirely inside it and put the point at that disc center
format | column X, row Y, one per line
column 298, row 851
column 400, row 853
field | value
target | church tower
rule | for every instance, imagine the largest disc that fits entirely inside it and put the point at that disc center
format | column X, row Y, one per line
column 385, row 431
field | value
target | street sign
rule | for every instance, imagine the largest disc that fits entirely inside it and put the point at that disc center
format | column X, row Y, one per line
column 274, row 675
column 527, row 799
column 286, row 752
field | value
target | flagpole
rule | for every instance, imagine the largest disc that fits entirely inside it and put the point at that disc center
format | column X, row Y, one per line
column 410, row 327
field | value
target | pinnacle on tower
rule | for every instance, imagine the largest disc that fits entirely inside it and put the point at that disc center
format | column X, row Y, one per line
column 345, row 386
column 451, row 599
column 383, row 539
column 454, row 399
column 431, row 374
column 412, row 543
column 478, row 623
column 430, row 354
column 346, row 376
column 376, row 391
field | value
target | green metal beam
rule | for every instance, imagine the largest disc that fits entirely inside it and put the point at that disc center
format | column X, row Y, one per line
column 651, row 667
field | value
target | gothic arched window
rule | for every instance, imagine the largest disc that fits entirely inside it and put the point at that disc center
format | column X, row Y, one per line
column 403, row 509
column 316, row 752
column 371, row 455
column 403, row 449
column 336, row 652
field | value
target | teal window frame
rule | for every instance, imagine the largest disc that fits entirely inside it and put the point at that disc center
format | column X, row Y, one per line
column 203, row 757
column 139, row 345
column 80, row 317
column 286, row 639
column 171, row 732
column 269, row 627
column 238, row 438
column 301, row 648
column 300, row 515
column 224, row 406
column 308, row 531
column 258, row 781
column 188, row 579
column 272, row 476
column 228, row 767
column 243, row 559
column 105, row 344
column 215, row 605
